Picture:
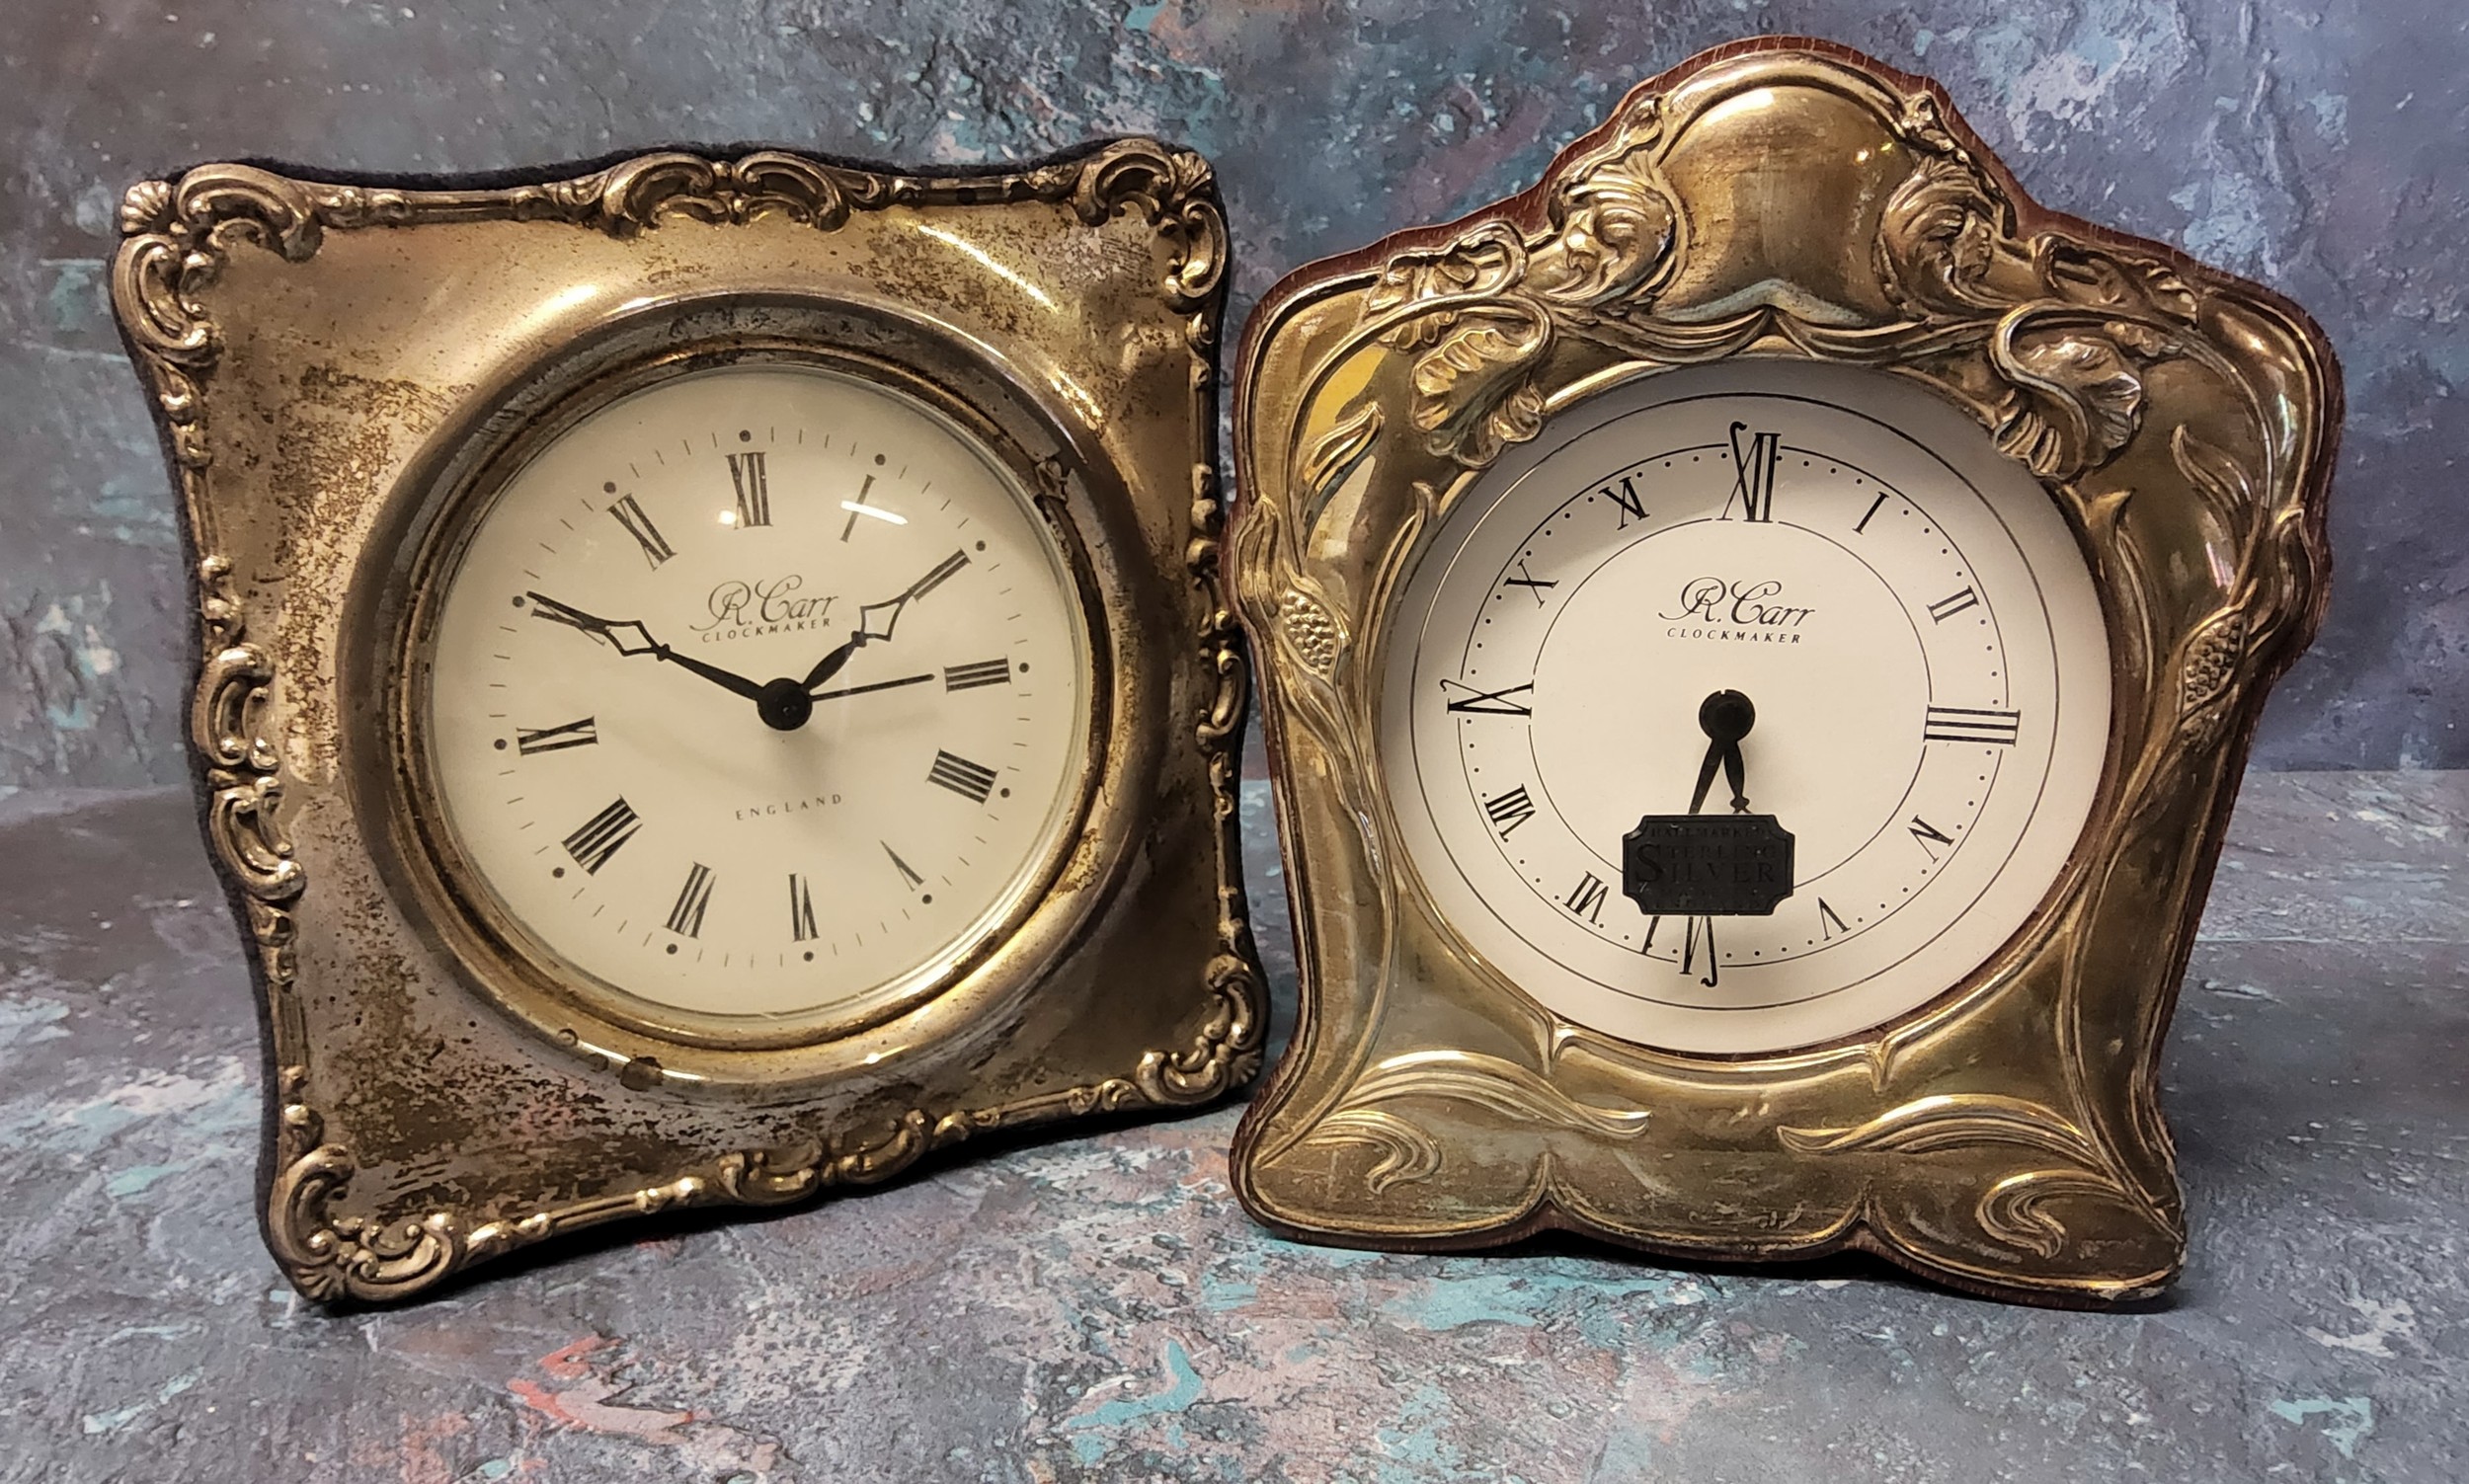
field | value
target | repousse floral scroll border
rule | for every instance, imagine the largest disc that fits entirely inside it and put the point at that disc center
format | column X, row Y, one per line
column 177, row 237
column 1449, row 346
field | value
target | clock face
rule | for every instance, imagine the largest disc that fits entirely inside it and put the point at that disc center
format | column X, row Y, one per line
column 761, row 692
column 1906, row 611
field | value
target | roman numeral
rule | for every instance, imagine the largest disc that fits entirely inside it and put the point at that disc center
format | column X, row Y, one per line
column 801, row 910
column 655, row 548
column 685, row 920
column 903, row 867
column 981, row 673
column 849, row 528
column 1586, row 899
column 940, row 575
column 1926, row 833
column 1632, row 506
column 1828, row 924
column 1689, row 951
column 1532, row 584
column 557, row 612
column 746, row 472
column 603, row 834
column 972, row 781
column 579, row 734
column 1510, row 809
column 1753, row 473
column 1947, row 608
column 1689, row 947
column 1966, row 724
column 1874, row 506
column 1490, row 702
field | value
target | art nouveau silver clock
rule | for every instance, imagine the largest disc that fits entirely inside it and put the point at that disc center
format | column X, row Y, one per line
column 1759, row 634
column 713, row 686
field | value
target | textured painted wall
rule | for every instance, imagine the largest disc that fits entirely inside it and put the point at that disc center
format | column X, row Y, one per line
column 2317, row 147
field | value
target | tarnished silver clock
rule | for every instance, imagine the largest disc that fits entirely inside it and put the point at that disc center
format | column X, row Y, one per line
column 713, row 685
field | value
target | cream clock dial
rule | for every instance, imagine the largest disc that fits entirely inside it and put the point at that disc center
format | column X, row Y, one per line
column 759, row 693
column 1905, row 607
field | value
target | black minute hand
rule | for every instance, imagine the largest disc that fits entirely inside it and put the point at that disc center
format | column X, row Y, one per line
column 629, row 637
column 875, row 620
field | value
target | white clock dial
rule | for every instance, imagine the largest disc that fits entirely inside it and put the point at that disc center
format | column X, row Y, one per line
column 759, row 693
column 1906, row 610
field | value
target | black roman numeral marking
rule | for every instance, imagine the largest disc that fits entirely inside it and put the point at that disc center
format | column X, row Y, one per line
column 971, row 780
column 1701, row 930
column 603, row 834
column 685, row 920
column 980, row 672
column 1929, row 836
column 801, row 910
column 1947, row 608
column 746, row 471
column 903, row 867
column 655, row 548
column 1874, row 506
column 1828, row 924
column 1586, row 898
column 1633, row 507
column 581, row 734
column 557, row 612
column 941, row 573
column 1753, row 471
column 1510, row 809
column 1966, row 724
column 1532, row 584
column 850, row 528
column 1490, row 702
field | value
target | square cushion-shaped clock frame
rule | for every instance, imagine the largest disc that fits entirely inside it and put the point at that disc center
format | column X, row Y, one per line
column 1775, row 212
column 339, row 366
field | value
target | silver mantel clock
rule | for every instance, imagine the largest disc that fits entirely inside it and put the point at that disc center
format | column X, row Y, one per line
column 1759, row 635
column 712, row 681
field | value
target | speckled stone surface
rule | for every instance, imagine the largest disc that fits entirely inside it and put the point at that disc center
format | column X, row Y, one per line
column 1099, row 1309
column 2315, row 146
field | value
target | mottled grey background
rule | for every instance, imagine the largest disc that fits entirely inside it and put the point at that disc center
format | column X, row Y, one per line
column 2317, row 147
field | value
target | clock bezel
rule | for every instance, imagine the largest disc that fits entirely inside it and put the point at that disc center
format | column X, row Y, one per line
column 501, row 957
column 1582, row 399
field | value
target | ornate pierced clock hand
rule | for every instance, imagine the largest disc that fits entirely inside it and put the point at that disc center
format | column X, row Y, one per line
column 875, row 620
column 629, row 637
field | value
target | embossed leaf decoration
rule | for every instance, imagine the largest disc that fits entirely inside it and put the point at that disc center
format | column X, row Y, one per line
column 1405, row 1153
column 1327, row 463
column 2083, row 274
column 1949, row 1120
column 2073, row 401
column 2014, row 1210
column 1473, row 392
column 1935, row 237
column 1491, row 258
column 1614, row 232
column 2227, row 491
